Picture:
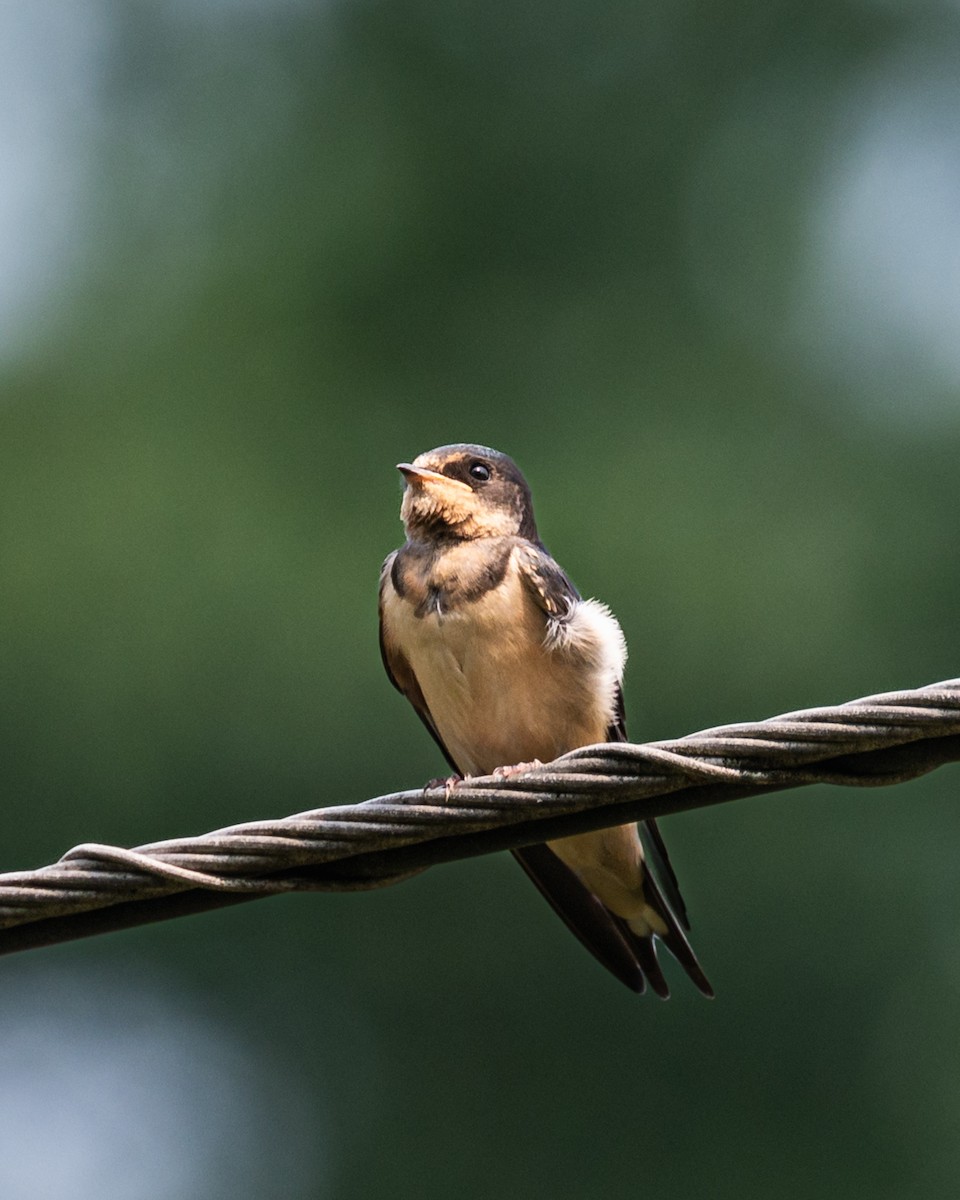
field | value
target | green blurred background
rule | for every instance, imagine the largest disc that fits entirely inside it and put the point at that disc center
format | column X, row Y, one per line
column 696, row 266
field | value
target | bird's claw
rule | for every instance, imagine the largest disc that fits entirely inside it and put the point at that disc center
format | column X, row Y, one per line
column 516, row 769
column 448, row 784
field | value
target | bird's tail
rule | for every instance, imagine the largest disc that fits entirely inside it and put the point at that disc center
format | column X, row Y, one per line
column 663, row 925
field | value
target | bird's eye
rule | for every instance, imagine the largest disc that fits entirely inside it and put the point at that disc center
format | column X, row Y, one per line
column 480, row 472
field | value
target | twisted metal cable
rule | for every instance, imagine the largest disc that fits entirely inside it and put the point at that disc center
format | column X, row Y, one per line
column 878, row 740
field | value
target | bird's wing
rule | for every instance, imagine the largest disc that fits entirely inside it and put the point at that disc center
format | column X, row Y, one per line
column 606, row 937
column 654, row 850
column 400, row 673
column 662, row 892
column 595, row 926
column 547, row 582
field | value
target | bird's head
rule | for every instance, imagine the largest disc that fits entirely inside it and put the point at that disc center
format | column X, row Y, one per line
column 465, row 492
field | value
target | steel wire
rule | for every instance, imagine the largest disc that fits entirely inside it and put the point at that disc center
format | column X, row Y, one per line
column 875, row 741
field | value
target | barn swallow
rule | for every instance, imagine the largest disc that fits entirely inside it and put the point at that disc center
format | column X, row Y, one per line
column 505, row 663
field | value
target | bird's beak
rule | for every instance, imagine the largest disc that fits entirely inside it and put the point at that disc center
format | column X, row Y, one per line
column 420, row 475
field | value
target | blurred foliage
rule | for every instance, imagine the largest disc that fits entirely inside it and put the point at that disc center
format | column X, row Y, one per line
column 320, row 239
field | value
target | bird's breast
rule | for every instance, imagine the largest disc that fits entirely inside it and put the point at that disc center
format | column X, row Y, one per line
column 496, row 692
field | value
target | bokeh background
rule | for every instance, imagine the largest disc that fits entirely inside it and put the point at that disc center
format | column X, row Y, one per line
column 696, row 266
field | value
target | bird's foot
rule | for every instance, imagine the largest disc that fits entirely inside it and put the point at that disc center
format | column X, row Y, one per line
column 517, row 769
column 448, row 784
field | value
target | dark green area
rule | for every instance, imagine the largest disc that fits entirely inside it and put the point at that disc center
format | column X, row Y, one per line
column 321, row 243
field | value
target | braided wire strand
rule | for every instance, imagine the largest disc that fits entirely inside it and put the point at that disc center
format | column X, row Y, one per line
column 877, row 740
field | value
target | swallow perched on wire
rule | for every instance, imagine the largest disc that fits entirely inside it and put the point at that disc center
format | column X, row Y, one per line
column 505, row 663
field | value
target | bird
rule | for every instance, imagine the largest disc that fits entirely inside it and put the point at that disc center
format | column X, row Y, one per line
column 505, row 664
